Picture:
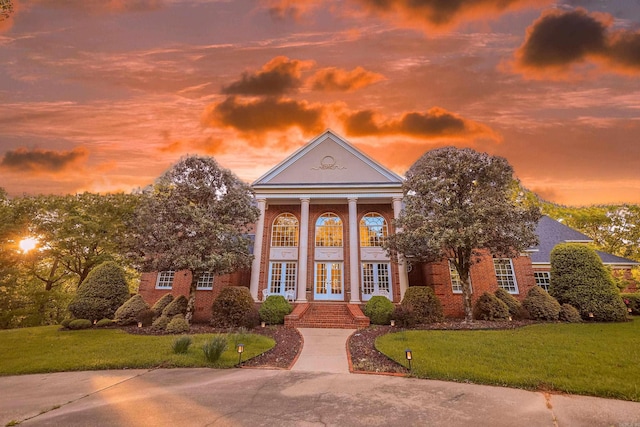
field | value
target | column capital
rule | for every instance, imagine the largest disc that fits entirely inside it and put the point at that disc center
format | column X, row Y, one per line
column 305, row 199
column 397, row 198
column 352, row 199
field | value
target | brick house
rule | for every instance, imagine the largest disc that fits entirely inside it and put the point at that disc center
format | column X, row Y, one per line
column 324, row 212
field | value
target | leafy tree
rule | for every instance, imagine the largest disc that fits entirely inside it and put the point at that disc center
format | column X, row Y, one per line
column 459, row 203
column 195, row 217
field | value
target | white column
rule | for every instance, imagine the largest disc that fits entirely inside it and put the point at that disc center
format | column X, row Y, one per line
column 402, row 264
column 354, row 264
column 257, row 250
column 303, row 249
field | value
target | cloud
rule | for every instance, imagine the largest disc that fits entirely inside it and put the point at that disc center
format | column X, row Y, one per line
column 435, row 123
column 265, row 115
column 443, row 14
column 42, row 161
column 337, row 80
column 103, row 6
column 277, row 77
column 294, row 9
column 559, row 43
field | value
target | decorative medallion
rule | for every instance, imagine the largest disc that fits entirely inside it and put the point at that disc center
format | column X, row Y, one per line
column 328, row 163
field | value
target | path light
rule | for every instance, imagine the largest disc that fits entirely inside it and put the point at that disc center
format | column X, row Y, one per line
column 591, row 315
column 263, row 324
column 393, row 323
column 240, row 349
column 409, row 356
column 139, row 324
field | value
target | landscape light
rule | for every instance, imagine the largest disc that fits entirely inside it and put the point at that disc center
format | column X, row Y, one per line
column 409, row 356
column 240, row 349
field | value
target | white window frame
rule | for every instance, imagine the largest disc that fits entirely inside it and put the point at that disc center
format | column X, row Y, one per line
column 456, row 283
column 505, row 274
column 205, row 282
column 278, row 237
column 165, row 279
column 543, row 279
column 319, row 235
column 286, row 269
column 374, row 281
column 374, row 225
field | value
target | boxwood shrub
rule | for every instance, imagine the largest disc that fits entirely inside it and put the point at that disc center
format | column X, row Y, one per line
column 419, row 305
column 233, row 308
column 515, row 307
column 569, row 314
column 379, row 310
column 632, row 301
column 128, row 312
column 80, row 324
column 177, row 325
column 490, row 307
column 160, row 324
column 540, row 305
column 273, row 309
column 177, row 306
column 160, row 305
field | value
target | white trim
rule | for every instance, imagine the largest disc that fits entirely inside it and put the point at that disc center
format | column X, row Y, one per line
column 512, row 274
column 161, row 278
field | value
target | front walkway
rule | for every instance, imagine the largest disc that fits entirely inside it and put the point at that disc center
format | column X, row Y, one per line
column 323, row 350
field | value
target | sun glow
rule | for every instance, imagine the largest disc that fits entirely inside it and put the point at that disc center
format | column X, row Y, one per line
column 28, row 244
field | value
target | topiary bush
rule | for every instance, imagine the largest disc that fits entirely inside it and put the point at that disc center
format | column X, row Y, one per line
column 541, row 305
column 177, row 325
column 379, row 310
column 177, row 306
column 128, row 312
column 65, row 322
column 490, row 307
column 515, row 307
column 419, row 305
column 214, row 348
column 569, row 314
column 104, row 323
column 160, row 305
column 234, row 307
column 273, row 309
column 101, row 293
column 579, row 278
column 146, row 317
column 632, row 301
column 160, row 324
column 80, row 324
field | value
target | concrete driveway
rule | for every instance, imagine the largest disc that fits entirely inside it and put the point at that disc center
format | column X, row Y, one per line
column 256, row 397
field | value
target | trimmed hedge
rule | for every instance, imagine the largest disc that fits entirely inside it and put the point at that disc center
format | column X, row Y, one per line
column 160, row 324
column 379, row 310
column 579, row 278
column 419, row 305
column 234, row 308
column 515, row 307
column 541, row 305
column 128, row 312
column 177, row 325
column 569, row 314
column 146, row 317
column 103, row 291
column 273, row 309
column 104, row 323
column 175, row 307
column 79, row 324
column 632, row 301
column 161, row 304
column 490, row 307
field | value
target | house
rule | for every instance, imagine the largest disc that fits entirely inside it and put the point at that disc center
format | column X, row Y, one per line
column 324, row 212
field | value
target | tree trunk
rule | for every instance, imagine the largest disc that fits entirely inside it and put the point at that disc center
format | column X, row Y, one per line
column 191, row 305
column 466, row 297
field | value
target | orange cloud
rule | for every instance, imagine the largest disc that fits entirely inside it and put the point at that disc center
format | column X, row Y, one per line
column 104, row 6
column 42, row 161
column 277, row 77
column 294, row 9
column 559, row 42
column 443, row 14
column 435, row 123
column 265, row 115
column 337, row 80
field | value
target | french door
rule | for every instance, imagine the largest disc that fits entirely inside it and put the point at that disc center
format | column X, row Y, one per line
column 328, row 281
column 375, row 278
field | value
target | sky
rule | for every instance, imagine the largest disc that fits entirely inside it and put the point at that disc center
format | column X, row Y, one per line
column 105, row 95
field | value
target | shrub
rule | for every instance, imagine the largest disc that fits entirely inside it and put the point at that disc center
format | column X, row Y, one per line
column 490, row 307
column 379, row 310
column 214, row 348
column 80, row 324
column 541, row 305
column 515, row 308
column 145, row 317
column 65, row 322
column 177, row 306
column 234, row 307
column 160, row 305
column 160, row 324
column 101, row 293
column 420, row 305
column 104, row 323
column 128, row 312
column 177, row 325
column 273, row 309
column 404, row 317
column 632, row 301
column 181, row 344
column 569, row 314
column 579, row 278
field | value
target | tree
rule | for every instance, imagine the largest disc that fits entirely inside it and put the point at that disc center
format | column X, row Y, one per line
column 195, row 217
column 104, row 290
column 459, row 203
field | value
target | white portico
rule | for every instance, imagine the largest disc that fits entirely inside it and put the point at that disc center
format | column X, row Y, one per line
column 324, row 212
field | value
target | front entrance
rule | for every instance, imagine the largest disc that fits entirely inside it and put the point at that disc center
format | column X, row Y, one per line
column 376, row 280
column 328, row 284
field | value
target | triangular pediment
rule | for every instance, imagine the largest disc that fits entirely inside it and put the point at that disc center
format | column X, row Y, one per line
column 328, row 159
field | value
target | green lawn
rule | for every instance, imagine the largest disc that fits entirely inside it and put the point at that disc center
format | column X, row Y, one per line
column 48, row 349
column 593, row 359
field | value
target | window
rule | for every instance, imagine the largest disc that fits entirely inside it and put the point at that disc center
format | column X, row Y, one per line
column 205, row 281
column 165, row 279
column 285, row 231
column 282, row 277
column 329, row 231
column 375, row 278
column 373, row 230
column 505, row 276
column 456, row 283
column 543, row 278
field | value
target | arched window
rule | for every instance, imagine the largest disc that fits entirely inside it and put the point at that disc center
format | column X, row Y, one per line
column 373, row 230
column 284, row 231
column 329, row 231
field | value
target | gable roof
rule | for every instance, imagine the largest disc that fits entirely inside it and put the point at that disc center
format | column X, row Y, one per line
column 328, row 160
column 551, row 232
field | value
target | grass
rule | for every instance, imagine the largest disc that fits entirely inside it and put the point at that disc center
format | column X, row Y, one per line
column 48, row 349
column 595, row 359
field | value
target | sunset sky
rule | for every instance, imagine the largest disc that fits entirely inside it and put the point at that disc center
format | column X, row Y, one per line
column 104, row 95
